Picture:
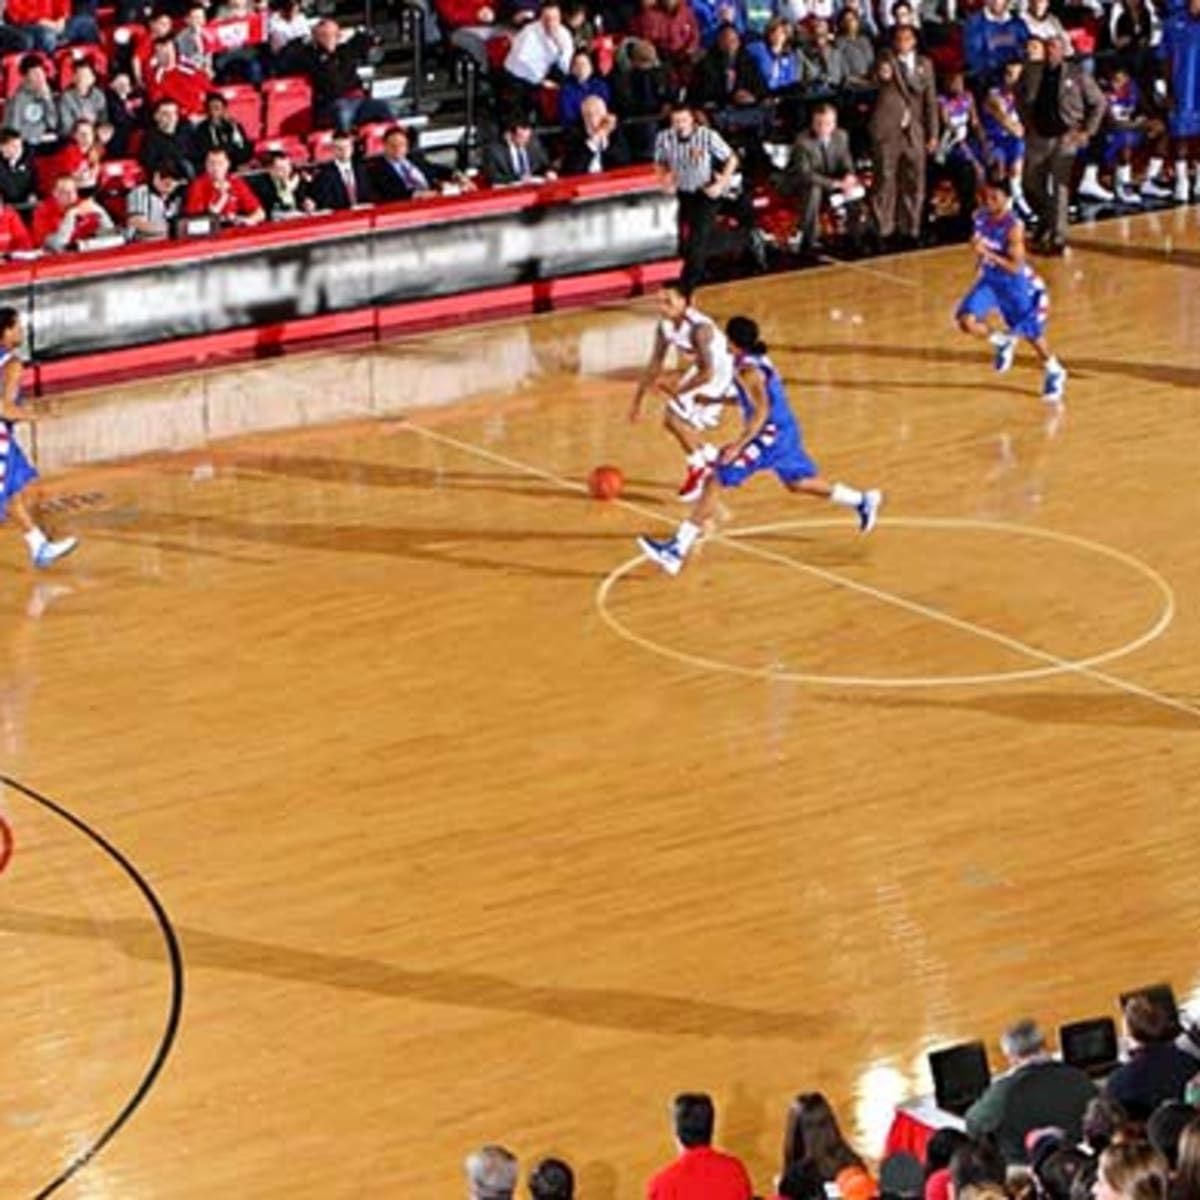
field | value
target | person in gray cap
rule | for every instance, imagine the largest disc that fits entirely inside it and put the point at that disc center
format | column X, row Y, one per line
column 1035, row 1092
column 491, row 1174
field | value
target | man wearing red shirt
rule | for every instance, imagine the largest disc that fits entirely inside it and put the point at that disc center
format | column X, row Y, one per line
column 672, row 28
column 62, row 220
column 218, row 194
column 14, row 236
column 169, row 79
column 700, row 1172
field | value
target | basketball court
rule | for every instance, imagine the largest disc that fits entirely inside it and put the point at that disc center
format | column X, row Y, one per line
column 370, row 801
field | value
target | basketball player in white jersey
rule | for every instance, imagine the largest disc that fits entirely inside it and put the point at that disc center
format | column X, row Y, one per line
column 697, row 399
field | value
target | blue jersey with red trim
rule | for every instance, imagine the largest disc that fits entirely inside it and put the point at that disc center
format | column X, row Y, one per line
column 780, row 414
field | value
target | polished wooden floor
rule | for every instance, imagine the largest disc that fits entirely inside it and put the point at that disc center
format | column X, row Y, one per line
column 457, row 854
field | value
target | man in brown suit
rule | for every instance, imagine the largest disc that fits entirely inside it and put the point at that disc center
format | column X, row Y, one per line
column 821, row 168
column 904, row 129
column 1062, row 107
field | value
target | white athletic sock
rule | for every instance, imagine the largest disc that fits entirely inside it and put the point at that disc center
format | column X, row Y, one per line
column 1181, row 167
column 697, row 458
column 711, row 453
column 1015, row 187
column 1091, row 176
column 1154, row 168
column 1125, row 174
column 847, row 497
column 999, row 339
column 35, row 539
column 686, row 535
column 1052, row 363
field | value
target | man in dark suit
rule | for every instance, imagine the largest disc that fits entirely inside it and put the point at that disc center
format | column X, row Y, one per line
column 597, row 144
column 403, row 173
column 904, row 129
column 1062, row 107
column 219, row 129
column 18, row 182
column 281, row 189
column 342, row 182
column 820, row 171
column 517, row 157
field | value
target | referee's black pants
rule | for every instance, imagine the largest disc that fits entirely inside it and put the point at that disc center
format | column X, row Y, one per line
column 697, row 218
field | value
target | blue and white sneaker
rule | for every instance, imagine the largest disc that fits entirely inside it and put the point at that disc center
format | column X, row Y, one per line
column 868, row 510
column 51, row 552
column 665, row 553
column 1006, row 351
column 1054, row 385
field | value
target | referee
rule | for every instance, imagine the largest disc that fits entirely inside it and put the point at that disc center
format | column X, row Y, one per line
column 697, row 163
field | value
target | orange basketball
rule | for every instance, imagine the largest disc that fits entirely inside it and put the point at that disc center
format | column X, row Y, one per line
column 605, row 483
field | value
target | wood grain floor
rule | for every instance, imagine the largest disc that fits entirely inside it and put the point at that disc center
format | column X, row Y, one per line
column 456, row 856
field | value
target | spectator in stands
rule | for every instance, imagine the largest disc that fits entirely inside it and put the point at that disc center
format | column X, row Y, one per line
column 82, row 155
column 938, row 1153
column 800, row 1181
column 857, row 50
column 976, row 1164
column 124, row 112
column 1165, row 1128
column 225, row 197
column 282, row 190
column 1135, row 30
column 726, row 75
column 821, row 171
column 518, row 157
column 904, row 130
column 670, row 26
column 1040, row 23
column 823, row 64
column 775, row 56
column 1187, row 1174
column 581, row 83
column 552, row 1179
column 332, row 68
column 342, row 182
column 241, row 62
column 287, row 33
column 597, row 144
column 191, row 44
column 168, row 140
column 1132, row 1170
column 403, row 173
column 1156, row 1070
column 700, row 1172
column 641, row 95
column 14, row 234
column 169, row 79
column 46, row 25
column 992, row 37
column 18, row 181
column 151, row 208
column 1064, row 108
column 1036, row 1092
column 219, row 129
column 63, row 220
column 1058, row 1168
column 471, row 26
column 491, row 1174
column 140, row 47
column 541, row 51
column 711, row 15
column 1103, row 1120
column 32, row 110
column 83, row 100
column 812, row 1134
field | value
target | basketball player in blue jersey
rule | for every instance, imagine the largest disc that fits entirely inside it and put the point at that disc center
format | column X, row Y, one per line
column 696, row 399
column 770, row 440
column 16, row 472
column 1008, row 285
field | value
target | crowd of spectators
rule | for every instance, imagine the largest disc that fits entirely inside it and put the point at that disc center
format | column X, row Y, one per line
column 862, row 119
column 1043, row 1130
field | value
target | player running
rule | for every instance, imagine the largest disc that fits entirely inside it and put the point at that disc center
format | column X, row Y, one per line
column 697, row 399
column 770, row 440
column 1008, row 285
column 16, row 472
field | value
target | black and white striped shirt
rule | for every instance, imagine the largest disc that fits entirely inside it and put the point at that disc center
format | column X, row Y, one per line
column 691, row 159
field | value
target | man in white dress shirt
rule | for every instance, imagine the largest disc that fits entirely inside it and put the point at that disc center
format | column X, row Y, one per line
column 541, row 51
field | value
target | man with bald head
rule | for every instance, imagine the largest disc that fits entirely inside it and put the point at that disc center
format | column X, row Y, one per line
column 597, row 144
column 1062, row 107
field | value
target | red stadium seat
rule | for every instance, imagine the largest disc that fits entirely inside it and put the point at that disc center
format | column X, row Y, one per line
column 370, row 136
column 288, row 110
column 320, row 145
column 245, row 106
column 120, row 174
column 497, row 49
column 293, row 147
